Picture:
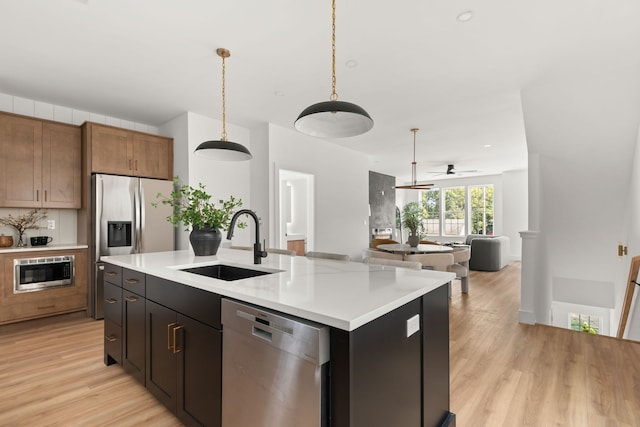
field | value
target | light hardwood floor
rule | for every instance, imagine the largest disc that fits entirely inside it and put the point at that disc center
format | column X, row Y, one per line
column 502, row 373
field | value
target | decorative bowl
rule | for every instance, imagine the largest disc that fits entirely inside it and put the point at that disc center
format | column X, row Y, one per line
column 6, row 241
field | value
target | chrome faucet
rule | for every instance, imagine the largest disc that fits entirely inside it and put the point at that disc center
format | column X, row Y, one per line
column 258, row 253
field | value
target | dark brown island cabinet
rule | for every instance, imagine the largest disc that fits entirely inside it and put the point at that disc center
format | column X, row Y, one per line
column 378, row 375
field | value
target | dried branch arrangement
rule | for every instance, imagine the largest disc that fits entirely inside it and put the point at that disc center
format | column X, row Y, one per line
column 24, row 222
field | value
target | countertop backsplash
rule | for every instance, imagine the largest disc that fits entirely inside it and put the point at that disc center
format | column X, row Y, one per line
column 65, row 231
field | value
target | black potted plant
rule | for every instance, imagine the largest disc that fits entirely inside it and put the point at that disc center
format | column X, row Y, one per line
column 194, row 208
column 412, row 220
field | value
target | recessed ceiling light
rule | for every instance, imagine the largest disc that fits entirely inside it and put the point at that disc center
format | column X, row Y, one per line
column 278, row 93
column 488, row 145
column 352, row 63
column 465, row 16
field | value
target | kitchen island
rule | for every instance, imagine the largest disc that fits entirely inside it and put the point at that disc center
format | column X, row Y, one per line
column 389, row 333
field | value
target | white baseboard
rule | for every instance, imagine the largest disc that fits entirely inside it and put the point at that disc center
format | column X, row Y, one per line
column 528, row 317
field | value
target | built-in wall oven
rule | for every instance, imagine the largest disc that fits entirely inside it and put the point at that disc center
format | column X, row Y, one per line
column 35, row 274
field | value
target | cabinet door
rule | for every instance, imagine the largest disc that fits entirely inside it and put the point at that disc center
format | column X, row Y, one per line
column 161, row 369
column 133, row 351
column 296, row 245
column 20, row 161
column 152, row 156
column 61, row 166
column 111, row 149
column 199, row 373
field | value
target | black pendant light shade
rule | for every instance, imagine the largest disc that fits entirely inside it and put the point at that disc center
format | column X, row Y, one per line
column 334, row 119
column 223, row 150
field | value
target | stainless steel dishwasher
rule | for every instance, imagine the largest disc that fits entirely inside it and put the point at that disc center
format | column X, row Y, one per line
column 274, row 369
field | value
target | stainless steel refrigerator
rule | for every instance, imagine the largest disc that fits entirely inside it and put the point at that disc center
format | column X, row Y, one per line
column 124, row 222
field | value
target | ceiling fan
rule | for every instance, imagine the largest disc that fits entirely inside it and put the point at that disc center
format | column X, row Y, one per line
column 451, row 170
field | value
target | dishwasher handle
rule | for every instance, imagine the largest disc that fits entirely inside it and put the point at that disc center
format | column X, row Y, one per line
column 262, row 334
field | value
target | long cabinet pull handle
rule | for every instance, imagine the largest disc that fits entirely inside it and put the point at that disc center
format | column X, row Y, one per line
column 131, row 299
column 37, row 195
column 136, row 164
column 45, row 195
column 169, row 326
column 176, row 349
column 110, row 338
column 132, row 281
column 111, row 300
column 110, row 273
column 130, row 168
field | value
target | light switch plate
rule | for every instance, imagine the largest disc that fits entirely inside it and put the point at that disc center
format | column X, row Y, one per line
column 51, row 224
column 413, row 325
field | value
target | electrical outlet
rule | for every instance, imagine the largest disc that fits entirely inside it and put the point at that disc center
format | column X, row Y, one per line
column 51, row 224
column 413, row 325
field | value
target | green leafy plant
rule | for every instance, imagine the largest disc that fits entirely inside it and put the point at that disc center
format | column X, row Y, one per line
column 412, row 218
column 194, row 207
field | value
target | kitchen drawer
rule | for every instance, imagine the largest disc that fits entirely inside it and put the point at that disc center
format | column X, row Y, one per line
column 113, row 303
column 32, row 305
column 133, row 281
column 196, row 303
column 112, row 341
column 113, row 274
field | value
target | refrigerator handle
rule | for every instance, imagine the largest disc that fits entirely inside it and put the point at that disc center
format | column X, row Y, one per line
column 141, row 218
column 135, row 190
column 99, row 191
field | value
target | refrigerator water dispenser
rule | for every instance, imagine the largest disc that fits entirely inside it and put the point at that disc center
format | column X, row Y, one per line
column 118, row 233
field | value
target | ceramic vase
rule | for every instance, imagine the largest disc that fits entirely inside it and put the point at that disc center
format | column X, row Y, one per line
column 205, row 241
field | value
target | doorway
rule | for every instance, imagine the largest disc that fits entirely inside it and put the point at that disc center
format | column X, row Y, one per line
column 296, row 211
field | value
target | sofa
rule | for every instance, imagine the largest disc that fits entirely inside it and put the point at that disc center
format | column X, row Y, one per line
column 488, row 253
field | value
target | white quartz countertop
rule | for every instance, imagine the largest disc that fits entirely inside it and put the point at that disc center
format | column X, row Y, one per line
column 345, row 295
column 49, row 247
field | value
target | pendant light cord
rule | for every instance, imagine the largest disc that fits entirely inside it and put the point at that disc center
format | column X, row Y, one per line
column 414, row 173
column 224, row 54
column 334, row 95
column 223, row 136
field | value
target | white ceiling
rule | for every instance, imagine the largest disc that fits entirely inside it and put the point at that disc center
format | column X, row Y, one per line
column 150, row 60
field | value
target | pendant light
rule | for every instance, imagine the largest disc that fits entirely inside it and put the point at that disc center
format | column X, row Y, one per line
column 414, row 184
column 333, row 118
column 223, row 150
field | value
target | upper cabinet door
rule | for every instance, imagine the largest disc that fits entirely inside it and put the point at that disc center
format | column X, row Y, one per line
column 152, row 156
column 61, row 166
column 111, row 149
column 20, row 162
column 126, row 152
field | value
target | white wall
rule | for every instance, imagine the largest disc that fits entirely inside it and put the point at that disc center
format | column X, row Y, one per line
column 59, row 113
column 632, row 222
column 221, row 179
column 341, row 188
column 581, row 130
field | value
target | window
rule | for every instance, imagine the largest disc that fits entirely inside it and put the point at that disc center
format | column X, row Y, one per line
column 454, row 211
column 457, row 211
column 431, row 212
column 584, row 323
column 481, row 209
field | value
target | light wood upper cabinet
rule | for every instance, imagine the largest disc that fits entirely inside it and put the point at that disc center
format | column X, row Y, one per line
column 61, row 166
column 152, row 156
column 125, row 152
column 111, row 149
column 40, row 163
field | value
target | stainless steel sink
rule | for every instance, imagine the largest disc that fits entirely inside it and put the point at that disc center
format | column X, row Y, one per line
column 225, row 272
